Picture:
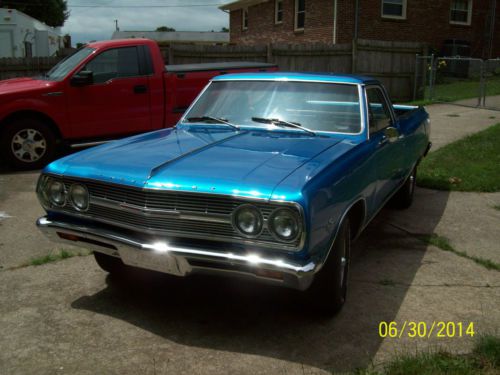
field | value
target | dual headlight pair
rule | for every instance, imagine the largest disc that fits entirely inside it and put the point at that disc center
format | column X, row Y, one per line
column 283, row 223
column 52, row 192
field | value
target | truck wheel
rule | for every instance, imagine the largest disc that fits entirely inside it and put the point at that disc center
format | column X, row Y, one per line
column 404, row 197
column 329, row 288
column 109, row 264
column 27, row 143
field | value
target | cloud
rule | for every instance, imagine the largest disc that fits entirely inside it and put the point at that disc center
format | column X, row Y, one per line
column 86, row 24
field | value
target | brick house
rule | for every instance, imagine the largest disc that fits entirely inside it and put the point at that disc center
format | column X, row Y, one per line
column 334, row 21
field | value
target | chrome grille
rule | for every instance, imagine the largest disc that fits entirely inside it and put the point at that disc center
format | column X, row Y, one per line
column 173, row 202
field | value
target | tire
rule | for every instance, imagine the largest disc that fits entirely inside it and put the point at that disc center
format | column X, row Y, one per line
column 110, row 264
column 404, row 197
column 27, row 143
column 329, row 289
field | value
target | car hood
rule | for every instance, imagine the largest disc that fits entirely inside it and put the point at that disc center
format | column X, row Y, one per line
column 19, row 85
column 210, row 160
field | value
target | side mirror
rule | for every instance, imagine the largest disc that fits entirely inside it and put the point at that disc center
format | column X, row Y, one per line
column 82, row 78
column 391, row 133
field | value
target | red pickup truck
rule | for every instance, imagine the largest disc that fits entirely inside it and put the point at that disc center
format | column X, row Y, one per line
column 104, row 91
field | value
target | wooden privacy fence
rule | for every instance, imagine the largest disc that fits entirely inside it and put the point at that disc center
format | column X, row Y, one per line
column 22, row 67
column 393, row 63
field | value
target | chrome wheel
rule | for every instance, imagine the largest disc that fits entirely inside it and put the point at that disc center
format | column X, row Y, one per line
column 329, row 288
column 28, row 145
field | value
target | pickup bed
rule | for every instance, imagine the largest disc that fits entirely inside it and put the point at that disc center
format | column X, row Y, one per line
column 104, row 91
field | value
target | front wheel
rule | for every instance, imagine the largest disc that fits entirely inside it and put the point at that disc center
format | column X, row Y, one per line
column 329, row 288
column 27, row 143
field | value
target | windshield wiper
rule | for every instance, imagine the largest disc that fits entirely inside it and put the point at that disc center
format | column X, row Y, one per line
column 279, row 122
column 212, row 119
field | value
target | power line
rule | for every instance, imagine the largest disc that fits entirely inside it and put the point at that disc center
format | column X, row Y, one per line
column 14, row 3
column 145, row 6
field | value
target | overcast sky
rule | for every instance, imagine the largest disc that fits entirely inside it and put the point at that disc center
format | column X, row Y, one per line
column 94, row 19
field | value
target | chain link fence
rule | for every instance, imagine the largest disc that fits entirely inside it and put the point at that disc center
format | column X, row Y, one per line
column 458, row 80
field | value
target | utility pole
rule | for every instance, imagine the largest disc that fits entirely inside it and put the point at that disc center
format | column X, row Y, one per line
column 116, row 26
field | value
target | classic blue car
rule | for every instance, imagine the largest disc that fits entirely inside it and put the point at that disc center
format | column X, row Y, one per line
column 268, row 176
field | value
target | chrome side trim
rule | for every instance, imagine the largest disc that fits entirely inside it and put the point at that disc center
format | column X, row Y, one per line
column 296, row 274
column 89, row 144
column 55, row 93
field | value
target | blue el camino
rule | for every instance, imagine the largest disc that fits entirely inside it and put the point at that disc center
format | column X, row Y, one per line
column 268, row 176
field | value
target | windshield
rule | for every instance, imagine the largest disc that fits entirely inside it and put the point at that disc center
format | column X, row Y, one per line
column 316, row 106
column 59, row 71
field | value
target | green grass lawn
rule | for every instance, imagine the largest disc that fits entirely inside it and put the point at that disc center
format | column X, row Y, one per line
column 483, row 360
column 469, row 164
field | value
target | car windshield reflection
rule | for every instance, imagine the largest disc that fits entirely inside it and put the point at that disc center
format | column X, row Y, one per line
column 331, row 107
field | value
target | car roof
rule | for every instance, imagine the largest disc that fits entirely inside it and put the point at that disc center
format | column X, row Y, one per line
column 295, row 76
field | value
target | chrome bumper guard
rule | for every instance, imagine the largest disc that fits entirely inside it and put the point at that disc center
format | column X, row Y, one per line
column 176, row 260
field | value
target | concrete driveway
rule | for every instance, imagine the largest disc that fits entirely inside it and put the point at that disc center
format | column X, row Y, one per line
column 70, row 317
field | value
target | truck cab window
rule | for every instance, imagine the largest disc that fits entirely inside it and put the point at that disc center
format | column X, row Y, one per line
column 114, row 63
column 380, row 116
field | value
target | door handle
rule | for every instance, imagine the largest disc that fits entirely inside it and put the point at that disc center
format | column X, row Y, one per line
column 140, row 89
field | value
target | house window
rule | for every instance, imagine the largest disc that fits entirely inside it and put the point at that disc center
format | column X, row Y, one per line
column 461, row 12
column 394, row 9
column 300, row 14
column 244, row 19
column 278, row 11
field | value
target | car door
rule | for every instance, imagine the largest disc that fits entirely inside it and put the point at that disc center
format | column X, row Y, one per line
column 117, row 102
column 388, row 158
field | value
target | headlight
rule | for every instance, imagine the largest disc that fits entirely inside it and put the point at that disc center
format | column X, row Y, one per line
column 247, row 220
column 56, row 193
column 284, row 224
column 79, row 197
column 41, row 191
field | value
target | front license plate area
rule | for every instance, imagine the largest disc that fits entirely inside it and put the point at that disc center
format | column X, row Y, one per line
column 161, row 262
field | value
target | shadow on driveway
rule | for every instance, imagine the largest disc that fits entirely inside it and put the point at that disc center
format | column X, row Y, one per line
column 242, row 317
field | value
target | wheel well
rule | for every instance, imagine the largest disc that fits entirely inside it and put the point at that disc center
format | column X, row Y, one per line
column 36, row 115
column 357, row 217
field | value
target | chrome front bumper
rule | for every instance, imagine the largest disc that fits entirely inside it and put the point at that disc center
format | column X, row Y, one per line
column 179, row 260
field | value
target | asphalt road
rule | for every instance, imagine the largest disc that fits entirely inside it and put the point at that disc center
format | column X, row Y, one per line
column 70, row 317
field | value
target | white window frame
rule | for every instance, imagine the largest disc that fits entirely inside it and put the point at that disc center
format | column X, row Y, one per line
column 244, row 19
column 296, row 16
column 276, row 21
column 469, row 14
column 402, row 17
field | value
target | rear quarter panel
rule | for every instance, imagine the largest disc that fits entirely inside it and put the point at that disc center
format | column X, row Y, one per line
column 414, row 128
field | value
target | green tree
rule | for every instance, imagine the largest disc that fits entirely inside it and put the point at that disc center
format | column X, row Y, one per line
column 224, row 30
column 52, row 12
column 165, row 28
